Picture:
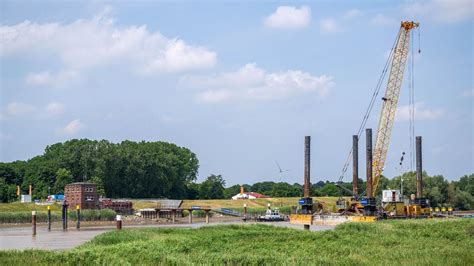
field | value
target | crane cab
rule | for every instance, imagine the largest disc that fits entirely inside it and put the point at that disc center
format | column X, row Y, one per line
column 392, row 205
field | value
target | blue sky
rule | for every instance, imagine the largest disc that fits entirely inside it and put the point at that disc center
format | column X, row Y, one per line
column 239, row 83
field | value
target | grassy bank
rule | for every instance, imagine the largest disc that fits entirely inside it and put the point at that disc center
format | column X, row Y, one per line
column 86, row 215
column 223, row 203
column 330, row 202
column 27, row 207
column 254, row 206
column 408, row 242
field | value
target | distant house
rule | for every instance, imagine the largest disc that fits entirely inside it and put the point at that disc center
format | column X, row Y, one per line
column 248, row 195
column 83, row 194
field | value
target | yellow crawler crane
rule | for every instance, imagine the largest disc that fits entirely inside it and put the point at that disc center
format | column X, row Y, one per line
column 390, row 101
column 397, row 63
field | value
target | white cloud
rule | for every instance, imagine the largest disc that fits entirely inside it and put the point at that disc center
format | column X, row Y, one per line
column 421, row 113
column 60, row 79
column 329, row 25
column 352, row 13
column 55, row 108
column 20, row 109
column 468, row 93
column 72, row 128
column 253, row 83
column 381, row 20
column 215, row 96
column 165, row 118
column 289, row 17
column 95, row 42
column 448, row 11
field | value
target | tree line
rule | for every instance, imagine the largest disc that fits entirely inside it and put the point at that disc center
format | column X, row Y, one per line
column 439, row 191
column 164, row 170
column 120, row 170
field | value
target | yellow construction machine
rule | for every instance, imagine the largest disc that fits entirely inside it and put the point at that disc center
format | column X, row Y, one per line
column 364, row 203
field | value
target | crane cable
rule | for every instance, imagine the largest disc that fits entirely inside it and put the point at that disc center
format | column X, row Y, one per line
column 411, row 106
column 371, row 105
column 412, row 100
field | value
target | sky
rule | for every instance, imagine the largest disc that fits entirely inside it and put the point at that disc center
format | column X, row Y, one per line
column 240, row 83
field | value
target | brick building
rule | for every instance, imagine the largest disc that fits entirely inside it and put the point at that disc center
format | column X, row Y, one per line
column 83, row 194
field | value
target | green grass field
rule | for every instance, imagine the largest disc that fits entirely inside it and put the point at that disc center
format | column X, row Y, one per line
column 27, row 207
column 17, row 212
column 226, row 203
column 329, row 202
column 406, row 242
column 21, row 212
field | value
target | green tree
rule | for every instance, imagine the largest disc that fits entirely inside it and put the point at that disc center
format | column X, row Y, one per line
column 63, row 177
column 265, row 187
column 459, row 199
column 192, row 190
column 329, row 190
column 7, row 191
column 283, row 189
column 212, row 188
column 466, row 183
column 100, row 185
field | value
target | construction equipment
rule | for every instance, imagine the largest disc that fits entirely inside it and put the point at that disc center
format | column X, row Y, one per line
column 390, row 101
column 397, row 61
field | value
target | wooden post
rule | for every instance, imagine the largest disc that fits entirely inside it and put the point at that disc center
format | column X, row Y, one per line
column 67, row 207
column 64, row 215
column 173, row 215
column 33, row 222
column 207, row 216
column 119, row 222
column 190, row 216
column 49, row 218
column 78, row 211
column 245, row 212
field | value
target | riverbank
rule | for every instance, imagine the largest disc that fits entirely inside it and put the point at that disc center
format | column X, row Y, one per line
column 405, row 242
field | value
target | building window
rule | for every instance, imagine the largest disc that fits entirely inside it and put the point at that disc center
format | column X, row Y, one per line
column 89, row 198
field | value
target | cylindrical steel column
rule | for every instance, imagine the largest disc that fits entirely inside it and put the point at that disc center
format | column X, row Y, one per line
column 368, row 142
column 355, row 163
column 419, row 169
column 307, row 167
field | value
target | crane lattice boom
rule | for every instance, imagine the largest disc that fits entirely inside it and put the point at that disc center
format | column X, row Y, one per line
column 390, row 101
